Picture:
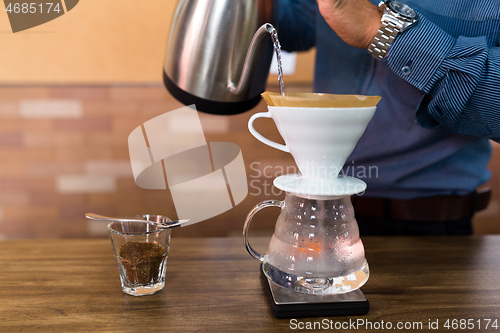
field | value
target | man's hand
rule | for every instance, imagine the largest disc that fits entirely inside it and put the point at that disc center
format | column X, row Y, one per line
column 355, row 21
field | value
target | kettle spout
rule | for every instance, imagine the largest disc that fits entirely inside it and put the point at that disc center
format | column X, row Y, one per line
column 249, row 59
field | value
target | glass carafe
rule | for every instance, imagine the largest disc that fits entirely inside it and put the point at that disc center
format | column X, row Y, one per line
column 315, row 247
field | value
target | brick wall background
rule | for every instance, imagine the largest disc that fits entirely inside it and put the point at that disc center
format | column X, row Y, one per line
column 64, row 152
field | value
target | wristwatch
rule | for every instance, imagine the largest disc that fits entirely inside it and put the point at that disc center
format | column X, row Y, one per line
column 397, row 17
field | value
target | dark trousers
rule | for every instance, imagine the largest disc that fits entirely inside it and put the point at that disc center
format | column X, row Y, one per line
column 379, row 226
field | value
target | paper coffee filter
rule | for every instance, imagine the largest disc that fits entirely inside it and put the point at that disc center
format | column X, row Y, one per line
column 320, row 100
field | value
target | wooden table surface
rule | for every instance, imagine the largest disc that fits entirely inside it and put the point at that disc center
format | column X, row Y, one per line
column 214, row 285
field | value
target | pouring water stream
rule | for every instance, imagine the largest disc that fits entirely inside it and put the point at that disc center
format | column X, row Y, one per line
column 277, row 49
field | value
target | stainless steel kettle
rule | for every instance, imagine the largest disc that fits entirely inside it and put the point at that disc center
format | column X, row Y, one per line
column 219, row 52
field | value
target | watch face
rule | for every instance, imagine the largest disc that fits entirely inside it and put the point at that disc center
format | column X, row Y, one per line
column 402, row 9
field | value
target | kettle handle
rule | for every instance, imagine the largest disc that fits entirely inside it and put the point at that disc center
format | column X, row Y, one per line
column 259, row 206
column 260, row 137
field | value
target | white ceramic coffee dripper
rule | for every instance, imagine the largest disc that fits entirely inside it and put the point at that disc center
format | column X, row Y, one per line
column 320, row 140
column 315, row 247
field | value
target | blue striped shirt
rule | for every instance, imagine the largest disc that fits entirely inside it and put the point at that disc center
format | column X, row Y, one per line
column 429, row 135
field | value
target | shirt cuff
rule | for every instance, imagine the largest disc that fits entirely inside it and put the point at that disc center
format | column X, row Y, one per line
column 416, row 54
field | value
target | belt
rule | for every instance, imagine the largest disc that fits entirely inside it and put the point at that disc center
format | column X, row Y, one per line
column 436, row 208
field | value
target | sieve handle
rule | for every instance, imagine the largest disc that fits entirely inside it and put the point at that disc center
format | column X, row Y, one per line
column 260, row 137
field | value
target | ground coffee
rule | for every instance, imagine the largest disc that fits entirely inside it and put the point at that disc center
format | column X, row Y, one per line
column 142, row 261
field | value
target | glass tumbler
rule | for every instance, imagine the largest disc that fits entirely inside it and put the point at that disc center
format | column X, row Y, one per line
column 141, row 251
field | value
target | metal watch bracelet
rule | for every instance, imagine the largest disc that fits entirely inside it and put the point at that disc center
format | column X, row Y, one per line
column 384, row 38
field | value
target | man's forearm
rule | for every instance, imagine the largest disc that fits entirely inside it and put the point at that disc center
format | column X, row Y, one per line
column 355, row 21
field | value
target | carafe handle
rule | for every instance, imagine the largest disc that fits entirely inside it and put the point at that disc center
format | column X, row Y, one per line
column 260, row 137
column 259, row 206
